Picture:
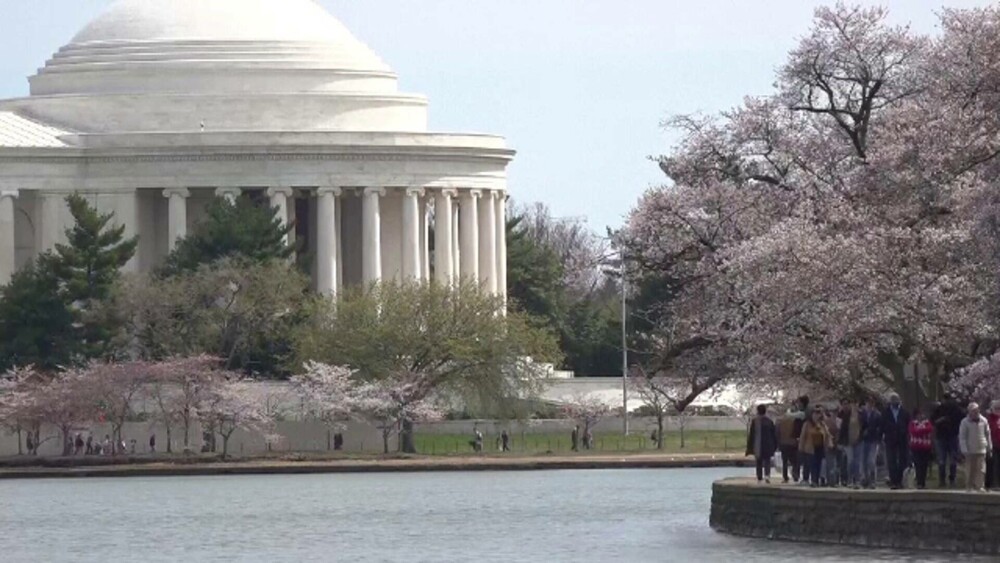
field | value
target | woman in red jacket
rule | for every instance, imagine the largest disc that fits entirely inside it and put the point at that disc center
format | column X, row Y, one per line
column 921, row 445
column 993, row 464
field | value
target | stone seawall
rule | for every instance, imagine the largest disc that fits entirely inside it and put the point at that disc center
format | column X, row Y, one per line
column 951, row 521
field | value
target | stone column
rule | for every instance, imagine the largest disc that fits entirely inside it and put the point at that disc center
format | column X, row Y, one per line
column 176, row 215
column 425, row 251
column 487, row 242
column 8, row 249
column 469, row 234
column 456, row 254
column 230, row 194
column 49, row 212
column 326, row 241
column 411, row 233
column 371, row 228
column 444, row 266
column 501, row 243
column 279, row 200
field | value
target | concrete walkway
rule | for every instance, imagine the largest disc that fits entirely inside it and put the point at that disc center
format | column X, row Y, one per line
column 382, row 465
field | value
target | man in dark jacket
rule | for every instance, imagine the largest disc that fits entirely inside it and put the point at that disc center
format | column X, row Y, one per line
column 762, row 442
column 896, row 437
column 947, row 417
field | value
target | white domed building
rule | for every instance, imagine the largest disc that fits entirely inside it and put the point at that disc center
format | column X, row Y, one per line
column 158, row 106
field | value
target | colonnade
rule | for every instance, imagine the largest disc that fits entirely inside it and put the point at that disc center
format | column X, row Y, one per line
column 468, row 238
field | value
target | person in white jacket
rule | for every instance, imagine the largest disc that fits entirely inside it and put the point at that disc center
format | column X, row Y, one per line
column 975, row 443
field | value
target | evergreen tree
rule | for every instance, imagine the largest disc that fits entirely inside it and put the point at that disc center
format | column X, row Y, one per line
column 45, row 310
column 88, row 264
column 36, row 324
column 242, row 230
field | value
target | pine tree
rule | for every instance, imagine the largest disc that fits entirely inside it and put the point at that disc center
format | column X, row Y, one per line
column 242, row 230
column 45, row 310
column 89, row 263
column 36, row 324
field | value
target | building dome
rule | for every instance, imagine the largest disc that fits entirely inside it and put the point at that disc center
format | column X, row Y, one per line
column 215, row 20
column 240, row 64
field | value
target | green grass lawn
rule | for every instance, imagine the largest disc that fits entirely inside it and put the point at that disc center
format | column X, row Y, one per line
column 694, row 442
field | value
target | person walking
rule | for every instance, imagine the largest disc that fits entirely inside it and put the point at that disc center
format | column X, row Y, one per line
column 762, row 443
column 89, row 446
column 575, row 439
column 850, row 439
column 804, row 462
column 504, row 441
column 152, row 443
column 831, row 461
column 921, row 445
column 814, row 442
column 975, row 443
column 993, row 463
column 947, row 417
column 78, row 444
column 788, row 444
column 871, row 431
column 895, row 436
column 477, row 443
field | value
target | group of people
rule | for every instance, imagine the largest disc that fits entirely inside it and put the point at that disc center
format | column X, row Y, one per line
column 90, row 446
column 588, row 439
column 503, row 441
column 841, row 446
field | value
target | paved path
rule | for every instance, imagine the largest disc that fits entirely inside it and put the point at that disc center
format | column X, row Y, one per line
column 375, row 465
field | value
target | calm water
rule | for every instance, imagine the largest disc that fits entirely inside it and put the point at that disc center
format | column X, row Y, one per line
column 578, row 516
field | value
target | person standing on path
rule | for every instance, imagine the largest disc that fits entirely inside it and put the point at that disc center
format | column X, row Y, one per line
column 871, row 430
column 921, row 445
column 575, row 439
column 504, row 441
column 762, row 442
column 152, row 443
column 975, row 443
column 895, row 436
column 851, row 443
column 993, row 463
column 947, row 417
column 788, row 443
column 814, row 443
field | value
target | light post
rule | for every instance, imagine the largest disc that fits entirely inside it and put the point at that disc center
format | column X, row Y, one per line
column 624, row 350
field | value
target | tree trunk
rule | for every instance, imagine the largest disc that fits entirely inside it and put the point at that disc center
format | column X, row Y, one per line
column 67, row 441
column 19, row 450
column 680, row 420
column 659, row 431
column 385, row 441
column 169, row 440
column 406, row 437
column 225, row 445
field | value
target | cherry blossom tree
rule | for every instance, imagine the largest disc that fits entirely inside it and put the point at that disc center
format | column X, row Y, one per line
column 65, row 401
column 327, row 392
column 395, row 404
column 664, row 395
column 115, row 389
column 19, row 405
column 179, row 386
column 979, row 381
column 233, row 405
column 833, row 231
column 587, row 411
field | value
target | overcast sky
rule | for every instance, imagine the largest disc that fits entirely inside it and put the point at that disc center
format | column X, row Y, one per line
column 578, row 87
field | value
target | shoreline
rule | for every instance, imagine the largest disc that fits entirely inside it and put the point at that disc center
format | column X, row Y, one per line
column 376, row 465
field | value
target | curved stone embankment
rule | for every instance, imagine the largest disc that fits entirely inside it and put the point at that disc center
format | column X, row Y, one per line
column 377, row 465
column 951, row 521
